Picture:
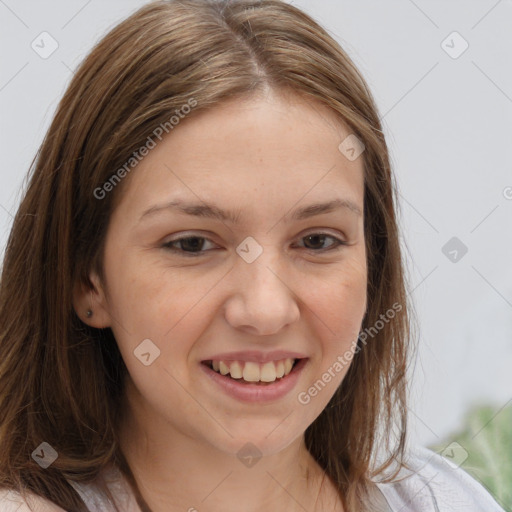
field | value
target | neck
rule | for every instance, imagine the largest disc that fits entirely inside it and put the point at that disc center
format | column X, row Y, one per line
column 174, row 471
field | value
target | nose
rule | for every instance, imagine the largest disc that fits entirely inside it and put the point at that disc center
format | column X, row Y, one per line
column 263, row 301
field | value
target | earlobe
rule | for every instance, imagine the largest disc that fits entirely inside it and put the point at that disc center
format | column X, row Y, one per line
column 90, row 303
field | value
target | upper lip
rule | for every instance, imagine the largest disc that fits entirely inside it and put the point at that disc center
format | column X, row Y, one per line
column 256, row 356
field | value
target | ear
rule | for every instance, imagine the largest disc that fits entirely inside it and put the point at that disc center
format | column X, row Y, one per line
column 86, row 298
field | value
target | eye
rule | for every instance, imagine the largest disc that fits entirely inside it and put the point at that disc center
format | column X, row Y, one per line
column 193, row 245
column 189, row 245
column 316, row 239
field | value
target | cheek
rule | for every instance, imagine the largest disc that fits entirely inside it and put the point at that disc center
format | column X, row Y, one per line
column 337, row 307
column 140, row 289
column 339, row 301
column 165, row 305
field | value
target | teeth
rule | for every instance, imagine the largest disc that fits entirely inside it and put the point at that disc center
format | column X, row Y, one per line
column 251, row 372
column 254, row 372
column 268, row 372
column 223, row 367
column 235, row 370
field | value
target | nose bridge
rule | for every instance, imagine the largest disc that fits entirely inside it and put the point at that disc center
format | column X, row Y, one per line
column 265, row 300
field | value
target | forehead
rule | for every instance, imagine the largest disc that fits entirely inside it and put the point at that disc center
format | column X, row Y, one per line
column 266, row 151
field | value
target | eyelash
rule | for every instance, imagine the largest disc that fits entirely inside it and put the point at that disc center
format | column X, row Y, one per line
column 168, row 245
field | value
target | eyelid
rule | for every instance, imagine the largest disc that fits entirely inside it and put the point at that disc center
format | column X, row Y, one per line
column 310, row 231
column 192, row 234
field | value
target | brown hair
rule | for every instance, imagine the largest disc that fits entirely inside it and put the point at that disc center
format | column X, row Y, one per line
column 61, row 381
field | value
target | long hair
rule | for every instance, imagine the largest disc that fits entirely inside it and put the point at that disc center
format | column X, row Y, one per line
column 61, row 381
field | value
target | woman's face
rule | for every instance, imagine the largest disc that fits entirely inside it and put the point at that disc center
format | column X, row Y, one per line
column 271, row 276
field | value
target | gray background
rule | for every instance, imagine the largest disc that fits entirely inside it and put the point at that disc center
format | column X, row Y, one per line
column 448, row 124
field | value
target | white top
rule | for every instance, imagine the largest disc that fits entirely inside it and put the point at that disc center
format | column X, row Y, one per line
column 434, row 486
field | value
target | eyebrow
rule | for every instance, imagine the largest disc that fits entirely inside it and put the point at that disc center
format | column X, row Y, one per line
column 212, row 211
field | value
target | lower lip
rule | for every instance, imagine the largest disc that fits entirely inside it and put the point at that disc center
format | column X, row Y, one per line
column 256, row 393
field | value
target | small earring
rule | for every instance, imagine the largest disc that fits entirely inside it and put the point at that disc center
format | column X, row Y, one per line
column 89, row 313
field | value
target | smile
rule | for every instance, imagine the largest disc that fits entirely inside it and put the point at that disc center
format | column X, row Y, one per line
column 249, row 371
column 253, row 382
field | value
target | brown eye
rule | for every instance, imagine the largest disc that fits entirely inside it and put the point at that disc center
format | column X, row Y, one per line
column 315, row 241
column 188, row 246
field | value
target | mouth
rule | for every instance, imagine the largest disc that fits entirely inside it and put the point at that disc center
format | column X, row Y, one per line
column 253, row 382
column 261, row 374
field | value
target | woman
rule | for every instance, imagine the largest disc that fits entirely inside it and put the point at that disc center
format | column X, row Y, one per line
column 202, row 292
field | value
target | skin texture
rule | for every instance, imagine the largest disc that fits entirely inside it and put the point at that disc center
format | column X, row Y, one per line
column 262, row 157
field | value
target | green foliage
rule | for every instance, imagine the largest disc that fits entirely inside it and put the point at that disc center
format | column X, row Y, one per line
column 487, row 438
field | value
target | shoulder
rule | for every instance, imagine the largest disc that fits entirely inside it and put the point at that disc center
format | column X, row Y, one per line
column 12, row 501
column 436, row 485
column 98, row 501
column 93, row 497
